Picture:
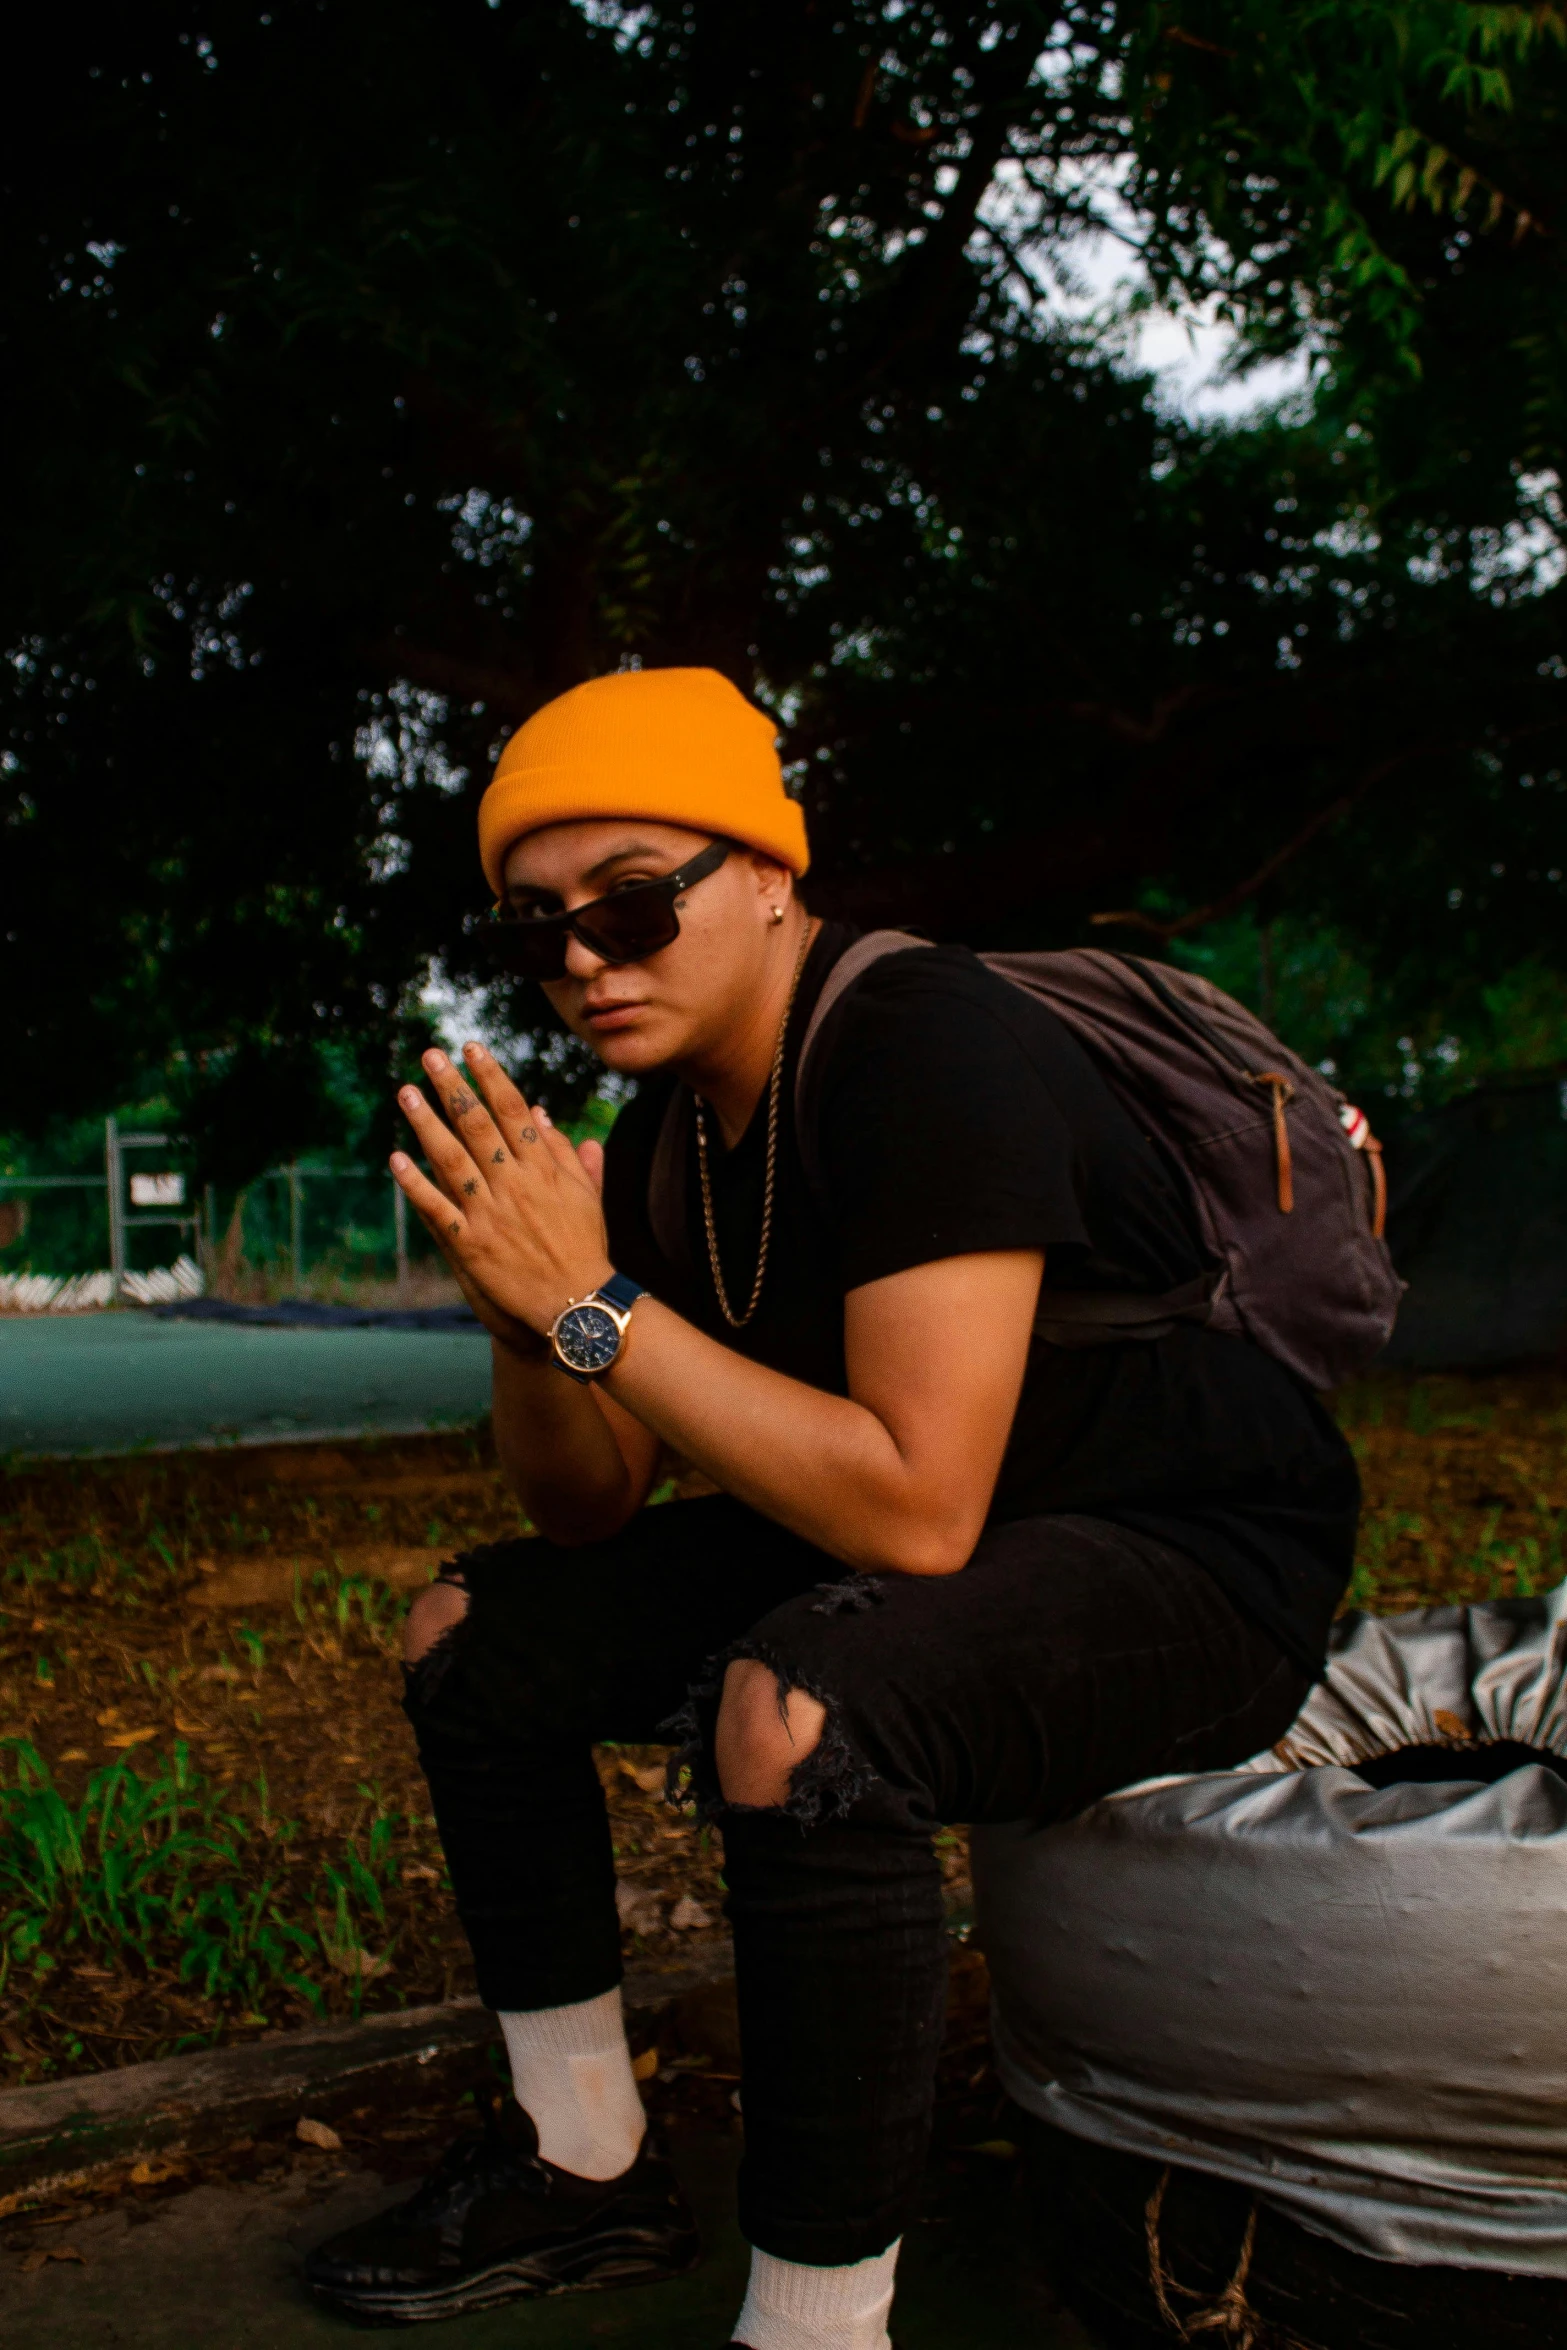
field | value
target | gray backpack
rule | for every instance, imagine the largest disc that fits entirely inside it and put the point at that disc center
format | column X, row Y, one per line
column 1286, row 1177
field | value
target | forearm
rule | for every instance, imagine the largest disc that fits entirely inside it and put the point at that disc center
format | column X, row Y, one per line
column 821, row 1464
column 557, row 1450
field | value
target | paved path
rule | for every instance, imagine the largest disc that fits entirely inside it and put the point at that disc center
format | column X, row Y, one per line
column 217, row 2269
column 115, row 1382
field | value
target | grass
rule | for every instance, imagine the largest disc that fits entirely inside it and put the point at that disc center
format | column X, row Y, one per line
column 149, row 1868
column 154, row 1867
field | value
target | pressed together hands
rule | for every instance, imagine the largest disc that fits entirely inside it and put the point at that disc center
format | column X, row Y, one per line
column 514, row 1209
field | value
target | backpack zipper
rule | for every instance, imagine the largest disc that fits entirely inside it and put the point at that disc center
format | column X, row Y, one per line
column 1282, row 1089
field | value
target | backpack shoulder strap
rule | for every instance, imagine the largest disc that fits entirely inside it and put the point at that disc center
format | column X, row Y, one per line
column 851, row 965
column 1068, row 1318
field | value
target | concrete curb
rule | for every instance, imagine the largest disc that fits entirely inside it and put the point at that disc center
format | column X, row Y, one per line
column 61, row 2132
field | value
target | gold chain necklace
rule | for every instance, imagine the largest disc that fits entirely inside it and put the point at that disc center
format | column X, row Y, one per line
column 774, row 1088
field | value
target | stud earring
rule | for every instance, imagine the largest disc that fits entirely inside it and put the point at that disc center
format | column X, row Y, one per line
column 778, row 913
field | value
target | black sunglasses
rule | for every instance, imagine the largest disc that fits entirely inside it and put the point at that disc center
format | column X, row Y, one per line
column 625, row 927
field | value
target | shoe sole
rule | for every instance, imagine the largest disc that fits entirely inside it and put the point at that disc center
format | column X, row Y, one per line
column 597, row 2268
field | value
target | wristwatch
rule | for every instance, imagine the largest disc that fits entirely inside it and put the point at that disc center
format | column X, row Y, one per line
column 587, row 1335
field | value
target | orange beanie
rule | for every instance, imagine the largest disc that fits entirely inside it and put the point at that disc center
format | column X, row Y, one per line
column 683, row 746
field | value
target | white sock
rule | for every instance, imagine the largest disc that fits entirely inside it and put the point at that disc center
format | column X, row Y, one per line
column 571, row 2071
column 789, row 2306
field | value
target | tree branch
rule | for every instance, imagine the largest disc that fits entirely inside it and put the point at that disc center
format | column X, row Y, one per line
column 933, row 279
column 1131, row 918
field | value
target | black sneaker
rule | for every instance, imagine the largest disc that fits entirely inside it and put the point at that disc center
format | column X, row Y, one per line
column 494, row 2222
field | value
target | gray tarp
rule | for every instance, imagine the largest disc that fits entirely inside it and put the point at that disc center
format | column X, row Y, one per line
column 1353, row 2002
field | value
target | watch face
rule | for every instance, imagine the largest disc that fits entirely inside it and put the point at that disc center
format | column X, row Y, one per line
column 588, row 1338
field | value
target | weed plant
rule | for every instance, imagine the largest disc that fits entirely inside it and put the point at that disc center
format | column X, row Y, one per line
column 156, row 1870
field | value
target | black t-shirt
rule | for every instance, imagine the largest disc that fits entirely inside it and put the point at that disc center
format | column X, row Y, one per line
column 952, row 1113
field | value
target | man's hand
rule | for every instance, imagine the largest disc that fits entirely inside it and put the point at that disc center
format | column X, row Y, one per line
column 513, row 1208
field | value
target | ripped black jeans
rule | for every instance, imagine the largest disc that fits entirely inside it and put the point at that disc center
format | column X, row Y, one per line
column 1070, row 1656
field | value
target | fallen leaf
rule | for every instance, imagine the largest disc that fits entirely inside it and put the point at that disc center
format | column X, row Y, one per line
column 1449, row 1726
column 358, row 1965
column 643, row 2067
column 109, row 1716
column 132, row 1737
column 150, row 2172
column 310, row 2132
column 75, row 1754
column 32, row 2262
column 650, row 1777
column 688, row 1915
column 419, row 1872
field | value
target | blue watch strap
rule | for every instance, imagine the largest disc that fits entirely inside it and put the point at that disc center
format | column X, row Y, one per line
column 621, row 1290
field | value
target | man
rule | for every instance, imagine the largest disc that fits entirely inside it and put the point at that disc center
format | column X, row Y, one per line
column 952, row 1573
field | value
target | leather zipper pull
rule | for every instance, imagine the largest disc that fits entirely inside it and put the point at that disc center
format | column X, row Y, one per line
column 1283, row 1092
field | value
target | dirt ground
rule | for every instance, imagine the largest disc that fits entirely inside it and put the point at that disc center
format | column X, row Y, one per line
column 231, row 1621
column 1465, row 1484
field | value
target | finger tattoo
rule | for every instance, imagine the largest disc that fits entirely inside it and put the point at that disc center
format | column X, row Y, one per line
column 499, row 1159
column 471, row 1186
column 461, row 1104
column 530, row 1134
column 453, row 1230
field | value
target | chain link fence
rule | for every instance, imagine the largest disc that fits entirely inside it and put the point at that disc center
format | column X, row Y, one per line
column 138, row 1228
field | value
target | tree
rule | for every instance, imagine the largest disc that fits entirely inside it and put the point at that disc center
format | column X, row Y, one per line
column 379, row 373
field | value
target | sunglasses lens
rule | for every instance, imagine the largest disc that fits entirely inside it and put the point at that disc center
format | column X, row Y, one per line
column 624, row 929
column 528, row 950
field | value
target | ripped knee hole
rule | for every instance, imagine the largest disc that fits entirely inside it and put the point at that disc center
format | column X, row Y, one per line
column 765, row 1730
column 433, row 1617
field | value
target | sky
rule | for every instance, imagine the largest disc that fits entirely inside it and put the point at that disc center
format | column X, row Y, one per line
column 1188, row 358
column 1096, row 277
